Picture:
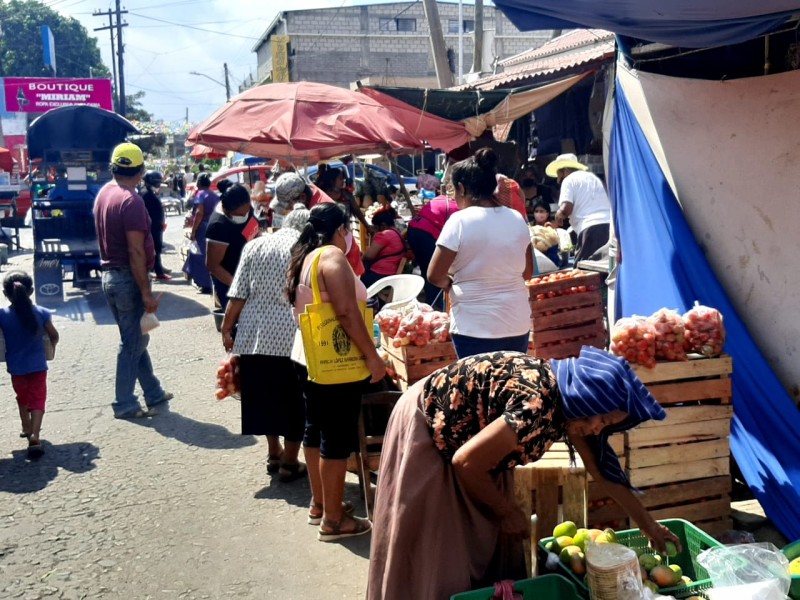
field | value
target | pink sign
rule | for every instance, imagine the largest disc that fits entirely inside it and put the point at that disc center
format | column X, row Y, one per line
column 40, row 94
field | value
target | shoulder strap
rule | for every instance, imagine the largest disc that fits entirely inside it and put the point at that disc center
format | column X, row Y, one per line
column 315, row 279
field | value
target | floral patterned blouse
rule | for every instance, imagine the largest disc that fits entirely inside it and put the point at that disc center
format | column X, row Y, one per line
column 461, row 399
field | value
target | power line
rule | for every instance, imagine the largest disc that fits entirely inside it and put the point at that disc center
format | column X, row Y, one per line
column 247, row 37
column 120, row 49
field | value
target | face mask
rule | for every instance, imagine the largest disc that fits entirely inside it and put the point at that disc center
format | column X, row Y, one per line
column 240, row 219
column 348, row 241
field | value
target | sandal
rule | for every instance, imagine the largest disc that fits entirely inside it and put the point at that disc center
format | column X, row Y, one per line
column 315, row 512
column 138, row 414
column 274, row 463
column 331, row 532
column 22, row 434
column 35, row 449
column 288, row 473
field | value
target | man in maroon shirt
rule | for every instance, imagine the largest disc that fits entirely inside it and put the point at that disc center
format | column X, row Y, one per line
column 127, row 254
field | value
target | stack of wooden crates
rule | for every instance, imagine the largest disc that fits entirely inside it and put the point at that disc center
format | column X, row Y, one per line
column 567, row 314
column 682, row 464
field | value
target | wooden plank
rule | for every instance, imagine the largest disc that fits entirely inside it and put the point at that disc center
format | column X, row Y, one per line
column 689, row 414
column 522, row 493
column 700, row 511
column 546, row 484
column 698, row 367
column 637, row 458
column 574, row 497
column 689, row 391
column 415, row 372
column 586, row 278
column 585, row 314
column 686, row 492
column 684, row 471
column 565, row 350
column 683, row 432
column 716, row 527
column 593, row 328
column 566, row 302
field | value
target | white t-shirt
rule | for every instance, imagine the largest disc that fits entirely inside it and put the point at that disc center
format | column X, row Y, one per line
column 590, row 204
column 489, row 298
column 188, row 177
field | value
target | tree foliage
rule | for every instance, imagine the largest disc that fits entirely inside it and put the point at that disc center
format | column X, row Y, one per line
column 77, row 54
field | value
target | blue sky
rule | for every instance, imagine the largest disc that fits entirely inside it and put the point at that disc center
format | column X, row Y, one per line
column 166, row 40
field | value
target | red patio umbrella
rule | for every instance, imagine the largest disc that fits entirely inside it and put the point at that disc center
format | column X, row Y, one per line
column 305, row 121
column 201, row 151
column 6, row 159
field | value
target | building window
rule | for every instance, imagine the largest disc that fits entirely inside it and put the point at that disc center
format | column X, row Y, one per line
column 406, row 24
column 387, row 25
column 452, row 26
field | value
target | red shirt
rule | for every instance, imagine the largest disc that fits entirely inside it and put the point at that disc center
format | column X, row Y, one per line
column 354, row 255
column 118, row 210
column 432, row 217
column 509, row 194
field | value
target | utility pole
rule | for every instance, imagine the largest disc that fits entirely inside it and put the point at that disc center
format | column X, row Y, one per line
column 443, row 74
column 477, row 46
column 227, row 83
column 119, row 83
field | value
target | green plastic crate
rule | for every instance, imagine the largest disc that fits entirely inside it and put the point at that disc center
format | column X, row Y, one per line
column 693, row 540
column 546, row 587
column 791, row 552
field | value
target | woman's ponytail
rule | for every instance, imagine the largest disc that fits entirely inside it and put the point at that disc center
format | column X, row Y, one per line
column 18, row 288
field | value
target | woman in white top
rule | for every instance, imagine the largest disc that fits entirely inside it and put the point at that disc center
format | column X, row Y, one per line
column 483, row 257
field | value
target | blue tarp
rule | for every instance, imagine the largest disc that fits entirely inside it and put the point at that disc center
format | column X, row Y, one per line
column 663, row 266
column 684, row 23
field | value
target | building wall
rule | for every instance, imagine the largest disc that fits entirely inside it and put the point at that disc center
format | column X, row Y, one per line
column 341, row 45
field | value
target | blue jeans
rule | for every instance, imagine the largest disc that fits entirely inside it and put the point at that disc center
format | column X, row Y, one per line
column 467, row 346
column 133, row 361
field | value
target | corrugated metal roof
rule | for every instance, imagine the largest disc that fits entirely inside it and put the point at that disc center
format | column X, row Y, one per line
column 566, row 52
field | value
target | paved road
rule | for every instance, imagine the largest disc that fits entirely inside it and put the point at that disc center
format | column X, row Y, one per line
column 178, row 506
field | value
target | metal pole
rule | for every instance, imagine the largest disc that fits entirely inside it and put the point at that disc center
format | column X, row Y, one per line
column 120, row 52
column 227, row 83
column 460, row 41
column 113, row 52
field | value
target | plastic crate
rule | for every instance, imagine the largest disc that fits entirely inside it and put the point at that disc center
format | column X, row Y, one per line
column 546, row 587
column 693, row 541
column 791, row 552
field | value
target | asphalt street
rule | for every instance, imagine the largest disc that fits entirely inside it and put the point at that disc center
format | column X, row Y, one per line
column 177, row 506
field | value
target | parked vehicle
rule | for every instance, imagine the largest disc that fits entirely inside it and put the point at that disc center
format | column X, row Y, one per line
column 70, row 151
column 356, row 171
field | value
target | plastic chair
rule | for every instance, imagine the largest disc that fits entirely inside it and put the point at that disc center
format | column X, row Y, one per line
column 405, row 288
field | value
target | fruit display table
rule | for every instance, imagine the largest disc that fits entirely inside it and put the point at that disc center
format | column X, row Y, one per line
column 682, row 464
column 412, row 363
column 566, row 313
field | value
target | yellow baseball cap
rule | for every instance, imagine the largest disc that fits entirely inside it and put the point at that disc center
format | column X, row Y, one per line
column 127, row 155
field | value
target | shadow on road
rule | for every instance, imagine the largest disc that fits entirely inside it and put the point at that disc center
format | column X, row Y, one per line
column 195, row 433
column 18, row 475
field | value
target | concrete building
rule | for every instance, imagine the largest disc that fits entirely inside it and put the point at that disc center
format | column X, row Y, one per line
column 380, row 44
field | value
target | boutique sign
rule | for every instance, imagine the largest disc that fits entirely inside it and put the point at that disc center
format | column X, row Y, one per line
column 40, row 94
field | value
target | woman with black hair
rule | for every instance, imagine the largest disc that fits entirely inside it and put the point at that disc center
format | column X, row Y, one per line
column 332, row 410
column 205, row 201
column 24, row 326
column 387, row 249
column 152, row 202
column 483, row 257
column 230, row 227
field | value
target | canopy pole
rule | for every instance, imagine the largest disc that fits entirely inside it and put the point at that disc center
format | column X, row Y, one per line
column 403, row 190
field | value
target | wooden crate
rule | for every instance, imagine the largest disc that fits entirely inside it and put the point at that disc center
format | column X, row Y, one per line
column 412, row 363
column 682, row 464
column 561, row 323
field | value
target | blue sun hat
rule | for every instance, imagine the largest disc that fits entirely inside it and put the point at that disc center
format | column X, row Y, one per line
column 597, row 383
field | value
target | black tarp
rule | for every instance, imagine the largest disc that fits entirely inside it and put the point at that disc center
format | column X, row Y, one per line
column 454, row 105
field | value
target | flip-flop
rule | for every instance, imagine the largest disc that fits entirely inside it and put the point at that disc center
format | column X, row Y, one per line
column 335, row 532
column 22, row 434
column 315, row 518
column 138, row 414
column 289, row 473
column 35, row 450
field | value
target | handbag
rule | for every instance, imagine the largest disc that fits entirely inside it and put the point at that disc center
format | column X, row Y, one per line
column 331, row 356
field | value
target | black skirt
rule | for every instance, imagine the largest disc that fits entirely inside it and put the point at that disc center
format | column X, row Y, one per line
column 272, row 397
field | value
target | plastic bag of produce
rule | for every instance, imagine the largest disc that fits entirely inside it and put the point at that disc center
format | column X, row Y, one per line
column 704, row 331
column 416, row 324
column 388, row 321
column 746, row 571
column 634, row 339
column 669, row 334
column 228, row 377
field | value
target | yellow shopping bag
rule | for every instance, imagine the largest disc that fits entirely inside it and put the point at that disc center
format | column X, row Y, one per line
column 331, row 356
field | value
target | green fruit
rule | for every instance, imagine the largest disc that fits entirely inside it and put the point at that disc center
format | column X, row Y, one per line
column 686, row 580
column 562, row 542
column 602, row 539
column 550, row 546
column 611, row 535
column 567, row 553
column 794, row 566
column 664, row 577
column 648, row 561
column 567, row 528
column 678, row 571
column 672, row 550
column 581, row 538
column 651, row 586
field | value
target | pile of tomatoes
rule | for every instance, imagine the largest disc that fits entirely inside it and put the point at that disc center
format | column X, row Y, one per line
column 571, row 274
column 228, row 377
column 415, row 326
column 634, row 339
column 704, row 331
column 669, row 328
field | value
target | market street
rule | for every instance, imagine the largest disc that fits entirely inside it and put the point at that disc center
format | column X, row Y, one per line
column 178, row 506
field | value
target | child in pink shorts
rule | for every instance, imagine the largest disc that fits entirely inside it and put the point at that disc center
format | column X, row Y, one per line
column 24, row 326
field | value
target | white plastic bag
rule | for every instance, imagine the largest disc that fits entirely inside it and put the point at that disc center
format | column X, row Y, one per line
column 148, row 322
column 194, row 247
column 747, row 572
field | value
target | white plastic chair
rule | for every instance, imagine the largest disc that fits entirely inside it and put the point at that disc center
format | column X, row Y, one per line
column 405, row 288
